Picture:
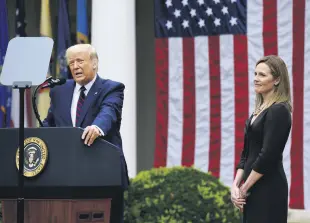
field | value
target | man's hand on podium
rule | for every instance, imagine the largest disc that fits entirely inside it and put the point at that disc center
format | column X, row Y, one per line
column 90, row 134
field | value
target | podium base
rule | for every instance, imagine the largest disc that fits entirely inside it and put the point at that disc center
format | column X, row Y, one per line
column 56, row 211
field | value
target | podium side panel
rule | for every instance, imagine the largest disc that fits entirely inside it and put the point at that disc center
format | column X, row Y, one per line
column 54, row 211
column 59, row 211
column 91, row 211
column 36, row 211
column 9, row 211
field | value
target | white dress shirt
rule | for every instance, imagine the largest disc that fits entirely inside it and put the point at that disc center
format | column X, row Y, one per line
column 75, row 99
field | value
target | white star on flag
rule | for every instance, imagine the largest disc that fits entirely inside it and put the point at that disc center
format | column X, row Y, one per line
column 209, row 11
column 233, row 21
column 193, row 12
column 200, row 2
column 169, row 3
column 201, row 23
column 177, row 13
column 185, row 24
column 169, row 24
column 217, row 22
column 184, row 2
column 225, row 10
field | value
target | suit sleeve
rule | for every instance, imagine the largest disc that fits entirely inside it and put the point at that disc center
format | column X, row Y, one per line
column 243, row 157
column 276, row 130
column 110, row 110
column 49, row 120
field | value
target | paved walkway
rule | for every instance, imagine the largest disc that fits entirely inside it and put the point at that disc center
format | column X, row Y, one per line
column 298, row 216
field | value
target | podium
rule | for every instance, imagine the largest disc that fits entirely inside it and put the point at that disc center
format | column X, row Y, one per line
column 65, row 180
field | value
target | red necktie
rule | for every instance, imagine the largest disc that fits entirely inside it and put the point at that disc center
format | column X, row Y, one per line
column 80, row 104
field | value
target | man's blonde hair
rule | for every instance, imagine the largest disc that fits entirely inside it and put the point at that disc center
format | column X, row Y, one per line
column 84, row 47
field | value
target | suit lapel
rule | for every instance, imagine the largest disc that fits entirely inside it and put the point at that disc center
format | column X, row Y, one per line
column 90, row 98
column 67, row 98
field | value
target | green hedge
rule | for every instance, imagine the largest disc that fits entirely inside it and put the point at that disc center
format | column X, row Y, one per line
column 177, row 195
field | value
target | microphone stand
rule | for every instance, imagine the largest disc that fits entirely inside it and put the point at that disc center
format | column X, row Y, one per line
column 49, row 83
column 34, row 104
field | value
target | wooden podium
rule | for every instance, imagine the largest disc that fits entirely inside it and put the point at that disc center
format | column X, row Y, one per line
column 62, row 211
column 73, row 183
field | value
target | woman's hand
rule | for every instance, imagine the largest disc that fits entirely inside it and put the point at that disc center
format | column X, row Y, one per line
column 243, row 192
column 235, row 197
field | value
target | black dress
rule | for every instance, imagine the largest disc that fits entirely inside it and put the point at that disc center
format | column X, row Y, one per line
column 264, row 143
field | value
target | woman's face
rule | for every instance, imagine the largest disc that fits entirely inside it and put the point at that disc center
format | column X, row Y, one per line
column 264, row 81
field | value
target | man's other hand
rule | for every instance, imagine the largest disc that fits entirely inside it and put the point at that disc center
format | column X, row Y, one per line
column 90, row 134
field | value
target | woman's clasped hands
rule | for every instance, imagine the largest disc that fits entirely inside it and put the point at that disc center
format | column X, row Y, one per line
column 238, row 197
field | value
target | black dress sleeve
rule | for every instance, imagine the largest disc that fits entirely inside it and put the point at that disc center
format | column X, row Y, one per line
column 276, row 130
column 243, row 154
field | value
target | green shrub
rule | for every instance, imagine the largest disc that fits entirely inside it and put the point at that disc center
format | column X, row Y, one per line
column 177, row 195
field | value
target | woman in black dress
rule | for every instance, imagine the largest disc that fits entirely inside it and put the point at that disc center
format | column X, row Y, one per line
column 260, row 188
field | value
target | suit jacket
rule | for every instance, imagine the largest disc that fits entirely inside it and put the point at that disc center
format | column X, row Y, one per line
column 102, row 107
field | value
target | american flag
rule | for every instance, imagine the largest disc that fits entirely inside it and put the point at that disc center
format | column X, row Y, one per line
column 20, row 29
column 206, row 52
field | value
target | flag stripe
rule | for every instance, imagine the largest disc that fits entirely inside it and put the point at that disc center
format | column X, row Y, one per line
column 270, row 27
column 162, row 64
column 189, row 102
column 175, row 105
column 306, row 125
column 215, row 106
column 254, row 43
column 227, row 109
column 241, row 89
column 297, row 194
column 202, row 82
column 285, row 48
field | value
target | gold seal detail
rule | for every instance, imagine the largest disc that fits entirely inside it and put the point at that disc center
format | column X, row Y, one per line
column 36, row 154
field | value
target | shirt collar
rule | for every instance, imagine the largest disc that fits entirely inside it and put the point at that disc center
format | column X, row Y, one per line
column 87, row 86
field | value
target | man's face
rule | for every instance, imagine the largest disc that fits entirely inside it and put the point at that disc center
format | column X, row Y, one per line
column 81, row 66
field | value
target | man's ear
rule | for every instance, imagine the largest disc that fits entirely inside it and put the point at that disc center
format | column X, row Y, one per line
column 95, row 64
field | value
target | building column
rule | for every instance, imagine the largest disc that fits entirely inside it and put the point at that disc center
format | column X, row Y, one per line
column 113, row 36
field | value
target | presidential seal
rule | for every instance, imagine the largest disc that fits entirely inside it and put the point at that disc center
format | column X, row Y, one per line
column 36, row 154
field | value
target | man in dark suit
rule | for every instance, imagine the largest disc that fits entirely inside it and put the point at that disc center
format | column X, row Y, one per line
column 92, row 103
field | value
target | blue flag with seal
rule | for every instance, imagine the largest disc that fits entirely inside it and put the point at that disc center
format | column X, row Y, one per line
column 5, row 92
column 82, row 22
column 63, row 39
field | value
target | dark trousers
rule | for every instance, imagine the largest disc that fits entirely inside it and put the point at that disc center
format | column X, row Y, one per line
column 117, row 209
